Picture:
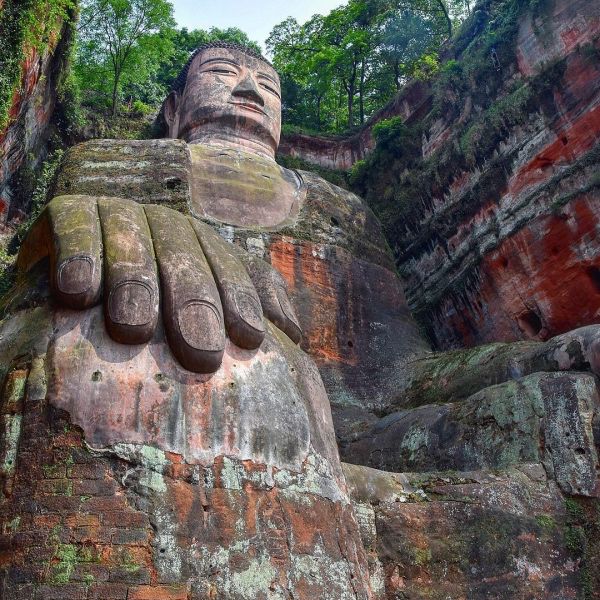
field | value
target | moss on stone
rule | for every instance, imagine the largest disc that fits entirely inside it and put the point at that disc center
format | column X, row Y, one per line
column 63, row 564
column 582, row 540
column 546, row 523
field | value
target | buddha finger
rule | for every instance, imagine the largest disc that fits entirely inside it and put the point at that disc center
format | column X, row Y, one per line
column 131, row 278
column 274, row 298
column 241, row 305
column 68, row 232
column 192, row 310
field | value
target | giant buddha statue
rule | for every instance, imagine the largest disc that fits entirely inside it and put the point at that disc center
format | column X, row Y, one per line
column 187, row 312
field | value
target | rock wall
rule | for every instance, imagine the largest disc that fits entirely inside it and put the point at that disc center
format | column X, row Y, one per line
column 340, row 153
column 474, row 534
column 117, row 485
column 489, row 194
column 34, row 98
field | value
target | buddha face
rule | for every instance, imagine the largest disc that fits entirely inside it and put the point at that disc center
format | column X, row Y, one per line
column 229, row 98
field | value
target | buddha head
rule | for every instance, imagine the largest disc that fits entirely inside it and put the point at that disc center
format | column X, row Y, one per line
column 226, row 95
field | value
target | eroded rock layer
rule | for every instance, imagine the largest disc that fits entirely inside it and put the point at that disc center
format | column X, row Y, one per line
column 488, row 192
column 42, row 66
column 117, row 485
column 475, row 534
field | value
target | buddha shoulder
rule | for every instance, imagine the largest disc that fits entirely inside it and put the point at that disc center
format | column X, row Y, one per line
column 147, row 171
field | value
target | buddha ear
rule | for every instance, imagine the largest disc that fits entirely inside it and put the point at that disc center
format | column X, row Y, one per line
column 171, row 113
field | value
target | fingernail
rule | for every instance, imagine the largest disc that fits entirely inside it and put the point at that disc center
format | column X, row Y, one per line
column 249, row 309
column 75, row 275
column 286, row 306
column 201, row 326
column 131, row 303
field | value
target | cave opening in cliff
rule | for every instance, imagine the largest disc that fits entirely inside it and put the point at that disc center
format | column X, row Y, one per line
column 594, row 275
column 530, row 323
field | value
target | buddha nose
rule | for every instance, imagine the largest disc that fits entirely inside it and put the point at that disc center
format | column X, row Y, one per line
column 248, row 89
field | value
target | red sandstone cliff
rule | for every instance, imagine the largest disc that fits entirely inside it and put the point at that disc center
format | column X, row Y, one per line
column 494, row 221
column 24, row 140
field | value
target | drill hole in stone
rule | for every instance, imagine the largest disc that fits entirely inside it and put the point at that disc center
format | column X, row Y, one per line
column 173, row 183
column 593, row 274
column 97, row 376
column 350, row 344
column 530, row 323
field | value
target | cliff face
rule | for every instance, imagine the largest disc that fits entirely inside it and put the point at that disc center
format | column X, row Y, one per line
column 340, row 153
column 488, row 192
column 526, row 255
column 36, row 59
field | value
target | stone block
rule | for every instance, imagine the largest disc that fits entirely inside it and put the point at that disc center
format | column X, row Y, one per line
column 545, row 417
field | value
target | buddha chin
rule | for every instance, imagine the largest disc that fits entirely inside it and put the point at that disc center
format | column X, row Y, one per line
column 230, row 121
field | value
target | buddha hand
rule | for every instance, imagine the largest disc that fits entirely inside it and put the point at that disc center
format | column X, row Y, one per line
column 118, row 249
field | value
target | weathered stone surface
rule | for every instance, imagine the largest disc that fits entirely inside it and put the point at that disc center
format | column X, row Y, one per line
column 545, row 418
column 241, row 189
column 525, row 255
column 155, row 172
column 454, row 375
column 169, row 485
column 23, row 141
column 506, row 534
column 330, row 250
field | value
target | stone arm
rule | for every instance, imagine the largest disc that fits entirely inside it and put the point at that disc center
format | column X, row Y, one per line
column 134, row 256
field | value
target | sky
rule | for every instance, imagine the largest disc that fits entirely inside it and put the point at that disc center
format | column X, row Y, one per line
column 255, row 17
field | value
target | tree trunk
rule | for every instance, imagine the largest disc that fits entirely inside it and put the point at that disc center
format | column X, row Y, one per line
column 397, row 74
column 115, row 93
column 446, row 16
column 361, row 92
column 319, row 112
column 351, row 89
column 351, row 106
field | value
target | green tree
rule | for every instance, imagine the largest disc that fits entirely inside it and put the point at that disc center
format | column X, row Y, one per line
column 122, row 43
column 340, row 68
column 406, row 36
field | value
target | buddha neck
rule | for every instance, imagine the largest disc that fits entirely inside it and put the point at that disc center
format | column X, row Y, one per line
column 221, row 141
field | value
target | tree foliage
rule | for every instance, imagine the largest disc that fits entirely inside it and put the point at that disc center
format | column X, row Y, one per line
column 336, row 69
column 340, row 68
column 121, row 44
column 129, row 52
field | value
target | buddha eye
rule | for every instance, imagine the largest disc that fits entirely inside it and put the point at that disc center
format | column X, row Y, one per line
column 269, row 89
column 222, row 71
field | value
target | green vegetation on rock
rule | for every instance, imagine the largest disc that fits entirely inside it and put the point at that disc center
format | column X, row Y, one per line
column 27, row 26
column 340, row 68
